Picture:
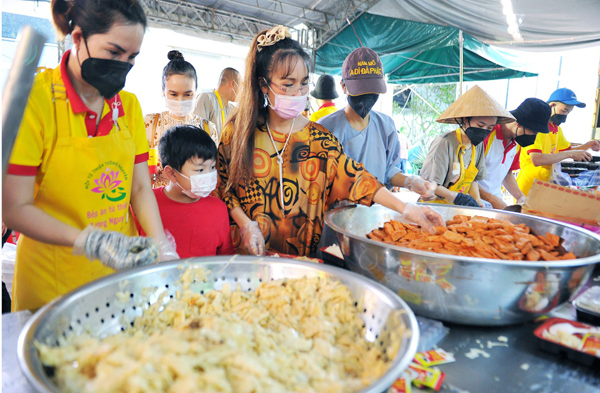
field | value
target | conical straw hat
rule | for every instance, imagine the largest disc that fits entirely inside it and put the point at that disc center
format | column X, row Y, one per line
column 475, row 102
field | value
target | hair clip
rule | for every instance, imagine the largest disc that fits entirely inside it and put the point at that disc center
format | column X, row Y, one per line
column 272, row 36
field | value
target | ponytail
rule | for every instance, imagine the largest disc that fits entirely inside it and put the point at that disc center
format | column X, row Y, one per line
column 95, row 16
column 61, row 10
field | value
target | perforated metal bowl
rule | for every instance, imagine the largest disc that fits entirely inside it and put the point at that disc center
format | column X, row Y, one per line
column 96, row 308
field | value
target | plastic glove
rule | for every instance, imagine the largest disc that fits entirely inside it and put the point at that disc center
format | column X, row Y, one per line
column 465, row 200
column 424, row 216
column 522, row 199
column 421, row 186
column 252, row 238
column 168, row 248
column 115, row 250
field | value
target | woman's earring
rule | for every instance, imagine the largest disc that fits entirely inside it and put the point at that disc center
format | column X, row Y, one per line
column 266, row 101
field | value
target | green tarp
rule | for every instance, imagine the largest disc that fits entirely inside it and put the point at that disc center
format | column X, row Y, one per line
column 413, row 52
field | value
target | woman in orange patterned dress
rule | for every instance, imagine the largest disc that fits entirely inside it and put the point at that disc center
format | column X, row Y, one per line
column 179, row 84
column 280, row 172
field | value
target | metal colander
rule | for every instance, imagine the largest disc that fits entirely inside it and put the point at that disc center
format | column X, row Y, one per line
column 110, row 304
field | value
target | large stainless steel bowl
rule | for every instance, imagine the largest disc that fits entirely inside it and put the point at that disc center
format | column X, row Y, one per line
column 466, row 290
column 97, row 309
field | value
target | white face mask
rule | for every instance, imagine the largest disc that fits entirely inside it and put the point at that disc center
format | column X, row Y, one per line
column 202, row 184
column 180, row 108
column 235, row 93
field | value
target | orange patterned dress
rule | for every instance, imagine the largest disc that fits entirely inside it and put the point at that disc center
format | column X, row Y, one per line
column 316, row 174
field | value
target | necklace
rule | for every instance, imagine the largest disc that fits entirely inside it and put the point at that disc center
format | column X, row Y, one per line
column 280, row 161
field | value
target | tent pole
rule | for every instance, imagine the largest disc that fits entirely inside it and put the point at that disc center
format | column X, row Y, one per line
column 460, row 45
column 507, row 88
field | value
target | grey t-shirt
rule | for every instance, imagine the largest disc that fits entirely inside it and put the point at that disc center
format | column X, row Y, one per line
column 207, row 107
column 439, row 163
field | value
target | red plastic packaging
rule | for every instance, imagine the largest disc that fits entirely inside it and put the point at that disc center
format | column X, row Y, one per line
column 580, row 341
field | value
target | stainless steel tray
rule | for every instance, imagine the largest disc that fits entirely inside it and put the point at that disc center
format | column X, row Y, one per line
column 471, row 291
column 97, row 309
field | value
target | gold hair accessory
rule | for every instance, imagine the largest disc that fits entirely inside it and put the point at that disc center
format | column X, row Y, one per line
column 272, row 36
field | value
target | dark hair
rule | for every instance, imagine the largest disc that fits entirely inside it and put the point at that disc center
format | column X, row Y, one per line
column 178, row 66
column 251, row 110
column 95, row 16
column 182, row 142
column 228, row 74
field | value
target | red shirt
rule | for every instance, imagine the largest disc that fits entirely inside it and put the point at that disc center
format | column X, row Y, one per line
column 200, row 228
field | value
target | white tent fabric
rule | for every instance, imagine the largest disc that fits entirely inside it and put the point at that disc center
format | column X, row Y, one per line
column 543, row 25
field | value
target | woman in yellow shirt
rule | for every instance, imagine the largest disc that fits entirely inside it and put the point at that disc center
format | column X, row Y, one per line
column 79, row 160
column 279, row 172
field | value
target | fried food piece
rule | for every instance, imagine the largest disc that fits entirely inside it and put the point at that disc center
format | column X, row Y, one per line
column 553, row 239
column 522, row 242
column 547, row 256
column 440, row 230
column 504, row 238
column 478, row 237
column 528, row 247
column 460, row 227
column 533, row 255
column 394, row 234
column 478, row 225
column 452, row 237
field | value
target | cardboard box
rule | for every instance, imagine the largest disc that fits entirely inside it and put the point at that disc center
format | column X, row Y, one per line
column 563, row 203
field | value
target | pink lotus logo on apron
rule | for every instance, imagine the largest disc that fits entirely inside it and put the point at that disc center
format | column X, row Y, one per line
column 108, row 186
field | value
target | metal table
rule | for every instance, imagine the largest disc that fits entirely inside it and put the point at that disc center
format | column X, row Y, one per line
column 521, row 366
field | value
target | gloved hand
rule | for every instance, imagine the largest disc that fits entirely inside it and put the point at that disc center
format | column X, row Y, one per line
column 252, row 238
column 168, row 248
column 522, row 199
column 115, row 250
column 421, row 186
column 465, row 200
column 424, row 216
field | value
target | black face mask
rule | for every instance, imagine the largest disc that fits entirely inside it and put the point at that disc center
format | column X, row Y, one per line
column 107, row 76
column 525, row 140
column 477, row 135
column 558, row 119
column 363, row 103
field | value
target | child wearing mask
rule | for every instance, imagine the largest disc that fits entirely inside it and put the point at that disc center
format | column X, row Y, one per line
column 179, row 84
column 198, row 222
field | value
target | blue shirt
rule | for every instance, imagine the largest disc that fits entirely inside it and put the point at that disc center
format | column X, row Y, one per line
column 377, row 146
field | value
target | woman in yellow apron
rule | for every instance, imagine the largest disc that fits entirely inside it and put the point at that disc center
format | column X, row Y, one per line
column 79, row 160
column 456, row 160
column 179, row 84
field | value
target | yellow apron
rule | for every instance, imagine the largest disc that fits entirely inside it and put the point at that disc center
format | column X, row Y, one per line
column 88, row 182
column 467, row 175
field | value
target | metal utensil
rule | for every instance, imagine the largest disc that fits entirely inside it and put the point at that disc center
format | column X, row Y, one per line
column 96, row 308
column 17, row 88
column 513, row 208
column 472, row 291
